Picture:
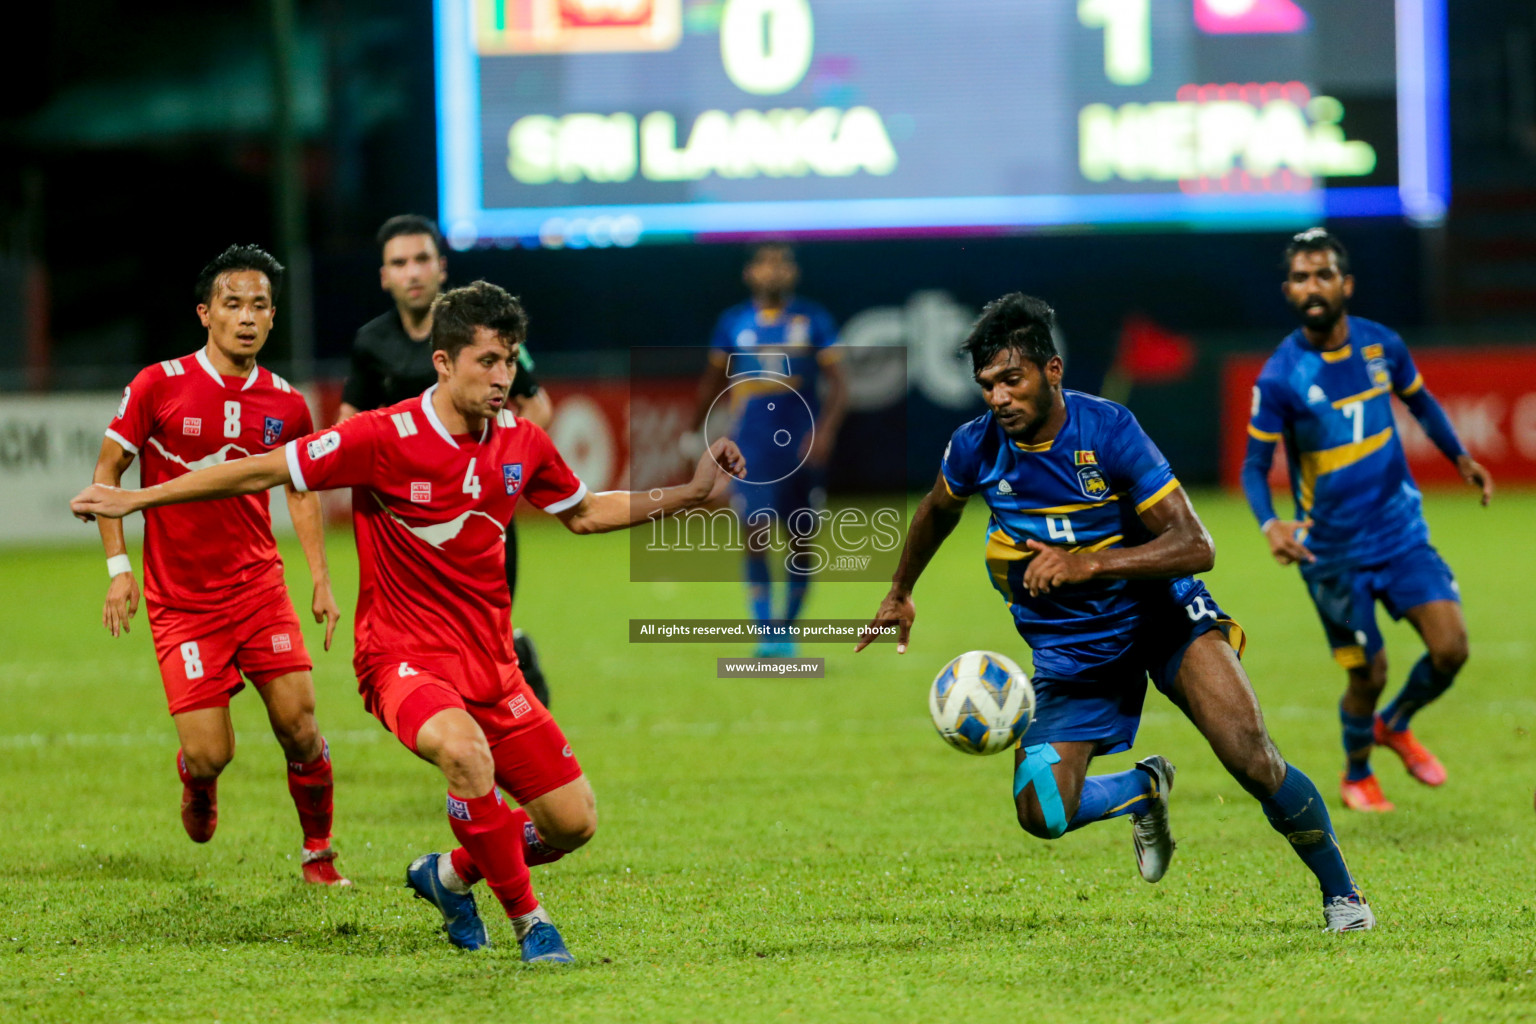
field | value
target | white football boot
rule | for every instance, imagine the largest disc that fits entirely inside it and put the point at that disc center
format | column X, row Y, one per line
column 1347, row 914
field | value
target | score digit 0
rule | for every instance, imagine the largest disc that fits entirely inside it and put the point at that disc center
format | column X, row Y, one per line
column 766, row 45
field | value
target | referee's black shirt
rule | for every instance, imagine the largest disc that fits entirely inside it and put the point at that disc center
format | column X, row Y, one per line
column 389, row 367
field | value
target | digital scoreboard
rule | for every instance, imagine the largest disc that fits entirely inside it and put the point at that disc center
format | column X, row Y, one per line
column 611, row 122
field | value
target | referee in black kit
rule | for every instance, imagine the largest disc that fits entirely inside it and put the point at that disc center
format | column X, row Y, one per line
column 392, row 361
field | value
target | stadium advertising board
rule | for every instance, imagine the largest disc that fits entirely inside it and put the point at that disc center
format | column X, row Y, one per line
column 48, row 451
column 1489, row 395
column 607, row 122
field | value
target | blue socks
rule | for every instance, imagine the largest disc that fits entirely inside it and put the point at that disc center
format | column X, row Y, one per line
column 1423, row 686
column 1359, row 736
column 1109, row 796
column 1297, row 812
column 798, row 585
column 760, row 592
column 759, row 597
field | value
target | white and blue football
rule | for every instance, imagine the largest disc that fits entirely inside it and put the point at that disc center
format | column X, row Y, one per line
column 982, row 703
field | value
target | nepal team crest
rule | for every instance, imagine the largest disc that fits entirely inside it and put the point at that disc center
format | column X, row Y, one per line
column 1089, row 476
column 512, row 476
column 271, row 431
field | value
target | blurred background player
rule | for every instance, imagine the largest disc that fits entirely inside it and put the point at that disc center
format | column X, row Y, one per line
column 213, row 582
column 781, row 339
column 1359, row 531
column 392, row 361
column 1094, row 545
column 445, row 470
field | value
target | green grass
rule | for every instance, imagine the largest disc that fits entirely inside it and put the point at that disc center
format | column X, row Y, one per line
column 769, row 850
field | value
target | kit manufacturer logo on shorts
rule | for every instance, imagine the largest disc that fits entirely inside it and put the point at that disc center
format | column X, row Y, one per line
column 324, row 444
column 271, row 431
column 519, row 706
column 281, row 643
column 421, row 493
column 191, row 426
column 458, row 809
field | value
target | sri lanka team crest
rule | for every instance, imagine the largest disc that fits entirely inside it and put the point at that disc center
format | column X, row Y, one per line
column 1376, row 365
column 512, row 476
column 1089, row 477
column 271, row 431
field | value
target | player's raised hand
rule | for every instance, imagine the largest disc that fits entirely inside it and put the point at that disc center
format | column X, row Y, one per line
column 1281, row 534
column 896, row 610
column 122, row 603
column 325, row 608
column 1474, row 473
column 101, row 500
column 1054, row 567
column 721, row 461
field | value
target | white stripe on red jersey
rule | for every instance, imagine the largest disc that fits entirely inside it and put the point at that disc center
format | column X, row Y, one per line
column 177, row 421
column 430, row 513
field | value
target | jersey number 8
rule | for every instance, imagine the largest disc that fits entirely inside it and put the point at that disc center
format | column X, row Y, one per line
column 192, row 658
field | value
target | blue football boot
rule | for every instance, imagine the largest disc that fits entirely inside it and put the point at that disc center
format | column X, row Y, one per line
column 461, row 919
column 543, row 945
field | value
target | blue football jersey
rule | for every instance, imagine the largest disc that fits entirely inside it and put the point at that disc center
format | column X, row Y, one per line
column 767, row 354
column 1083, row 491
column 1349, row 474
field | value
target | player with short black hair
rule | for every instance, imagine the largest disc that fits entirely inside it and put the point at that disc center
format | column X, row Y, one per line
column 1359, row 533
column 404, row 224
column 1094, row 546
column 392, row 361
column 761, row 350
column 232, row 260
column 213, row 582
column 434, row 659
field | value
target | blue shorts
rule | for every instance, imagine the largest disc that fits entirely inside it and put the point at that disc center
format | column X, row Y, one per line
column 782, row 502
column 1346, row 598
column 1107, row 707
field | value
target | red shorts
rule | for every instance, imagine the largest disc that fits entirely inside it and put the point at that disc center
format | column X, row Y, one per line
column 203, row 653
column 531, row 753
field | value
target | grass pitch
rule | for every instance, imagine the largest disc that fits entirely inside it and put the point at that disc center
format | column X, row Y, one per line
column 768, row 850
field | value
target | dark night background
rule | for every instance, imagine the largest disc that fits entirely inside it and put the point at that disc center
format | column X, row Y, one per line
column 137, row 141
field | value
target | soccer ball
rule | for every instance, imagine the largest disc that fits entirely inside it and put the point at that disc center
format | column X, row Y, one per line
column 981, row 703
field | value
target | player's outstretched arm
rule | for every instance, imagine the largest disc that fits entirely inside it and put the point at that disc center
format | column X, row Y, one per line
column 242, row 476
column 936, row 517
column 1180, row 546
column 123, row 590
column 1437, row 425
column 309, row 523
column 618, row 510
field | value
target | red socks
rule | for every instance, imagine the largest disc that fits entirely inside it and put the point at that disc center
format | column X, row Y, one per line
column 206, row 785
column 492, row 841
column 535, row 850
column 312, row 790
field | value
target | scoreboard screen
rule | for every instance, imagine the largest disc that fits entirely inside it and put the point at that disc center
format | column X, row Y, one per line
column 611, row 122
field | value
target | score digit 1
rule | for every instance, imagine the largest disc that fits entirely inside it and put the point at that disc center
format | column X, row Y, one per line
column 1127, row 26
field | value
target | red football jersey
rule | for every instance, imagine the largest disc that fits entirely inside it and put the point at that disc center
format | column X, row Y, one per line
column 181, row 415
column 430, row 513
